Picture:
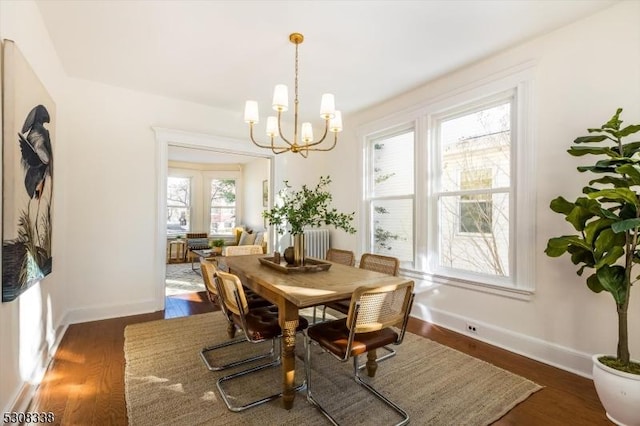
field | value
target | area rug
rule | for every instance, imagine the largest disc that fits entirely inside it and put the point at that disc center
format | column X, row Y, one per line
column 180, row 278
column 166, row 382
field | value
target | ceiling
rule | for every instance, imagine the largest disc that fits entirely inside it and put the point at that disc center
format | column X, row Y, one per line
column 221, row 53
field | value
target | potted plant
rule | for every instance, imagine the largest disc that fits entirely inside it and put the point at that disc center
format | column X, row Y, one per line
column 307, row 207
column 216, row 246
column 606, row 247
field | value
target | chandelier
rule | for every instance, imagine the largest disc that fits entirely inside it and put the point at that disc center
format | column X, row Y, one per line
column 303, row 142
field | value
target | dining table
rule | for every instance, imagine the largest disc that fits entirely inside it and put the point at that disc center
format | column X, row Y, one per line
column 293, row 290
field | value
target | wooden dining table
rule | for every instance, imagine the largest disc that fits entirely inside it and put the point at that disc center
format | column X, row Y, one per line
column 292, row 291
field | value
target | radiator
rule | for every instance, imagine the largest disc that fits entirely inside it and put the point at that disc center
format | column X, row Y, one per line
column 316, row 242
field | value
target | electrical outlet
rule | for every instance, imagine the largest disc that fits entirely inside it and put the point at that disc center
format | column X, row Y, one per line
column 472, row 328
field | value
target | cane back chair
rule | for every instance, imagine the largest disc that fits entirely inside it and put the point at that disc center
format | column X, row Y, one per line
column 368, row 326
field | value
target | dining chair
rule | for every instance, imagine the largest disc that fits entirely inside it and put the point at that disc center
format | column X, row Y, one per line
column 372, row 262
column 259, row 325
column 242, row 250
column 369, row 324
column 253, row 301
column 344, row 257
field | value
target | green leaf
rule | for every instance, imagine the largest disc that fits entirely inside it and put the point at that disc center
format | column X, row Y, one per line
column 622, row 195
column 632, row 171
column 617, row 182
column 625, row 225
column 561, row 205
column 589, row 139
column 559, row 245
column 629, row 130
column 630, row 148
column 615, row 122
column 594, row 284
column 579, row 151
column 594, row 228
column 612, row 279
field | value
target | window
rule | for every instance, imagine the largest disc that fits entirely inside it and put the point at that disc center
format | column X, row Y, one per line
column 391, row 195
column 178, row 205
column 448, row 190
column 473, row 189
column 222, row 206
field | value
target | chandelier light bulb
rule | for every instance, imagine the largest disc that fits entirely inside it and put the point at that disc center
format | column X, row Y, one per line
column 327, row 106
column 281, row 98
column 251, row 112
column 272, row 126
column 307, row 132
column 335, row 124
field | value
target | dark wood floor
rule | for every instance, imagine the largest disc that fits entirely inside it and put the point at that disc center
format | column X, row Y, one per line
column 84, row 384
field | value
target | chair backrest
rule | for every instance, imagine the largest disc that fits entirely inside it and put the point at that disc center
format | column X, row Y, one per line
column 242, row 250
column 208, row 275
column 344, row 257
column 232, row 293
column 375, row 308
column 379, row 263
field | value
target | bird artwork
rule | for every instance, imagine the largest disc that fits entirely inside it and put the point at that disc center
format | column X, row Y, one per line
column 30, row 253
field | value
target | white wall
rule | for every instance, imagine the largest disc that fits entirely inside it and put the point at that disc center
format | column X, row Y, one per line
column 253, row 173
column 583, row 72
column 31, row 324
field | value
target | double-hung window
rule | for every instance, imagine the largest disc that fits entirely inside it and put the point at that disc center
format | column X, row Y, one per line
column 472, row 188
column 178, row 205
column 449, row 190
column 222, row 206
column 390, row 199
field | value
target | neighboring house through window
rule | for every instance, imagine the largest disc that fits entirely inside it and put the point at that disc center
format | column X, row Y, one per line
column 447, row 190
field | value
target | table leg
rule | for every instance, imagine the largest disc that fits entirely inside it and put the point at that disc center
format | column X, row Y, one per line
column 288, row 318
column 372, row 364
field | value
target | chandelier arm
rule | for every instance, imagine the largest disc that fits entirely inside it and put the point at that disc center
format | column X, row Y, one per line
column 272, row 147
column 335, row 141
column 280, row 131
column 324, row 135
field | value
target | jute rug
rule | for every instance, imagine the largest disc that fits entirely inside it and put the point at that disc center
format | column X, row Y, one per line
column 166, row 382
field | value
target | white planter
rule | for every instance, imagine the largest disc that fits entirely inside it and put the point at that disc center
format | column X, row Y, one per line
column 619, row 393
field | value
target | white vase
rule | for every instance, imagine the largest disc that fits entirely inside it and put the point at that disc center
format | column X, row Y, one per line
column 619, row 393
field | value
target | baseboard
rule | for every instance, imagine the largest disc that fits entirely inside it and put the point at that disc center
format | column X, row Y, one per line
column 27, row 389
column 537, row 349
column 100, row 312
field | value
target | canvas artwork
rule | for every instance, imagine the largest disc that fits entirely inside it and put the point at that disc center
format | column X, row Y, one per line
column 28, row 128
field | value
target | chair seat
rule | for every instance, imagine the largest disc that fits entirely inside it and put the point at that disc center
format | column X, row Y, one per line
column 262, row 323
column 255, row 301
column 334, row 336
column 341, row 306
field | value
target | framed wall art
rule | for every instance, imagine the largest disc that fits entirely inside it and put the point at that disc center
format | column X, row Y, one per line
column 28, row 129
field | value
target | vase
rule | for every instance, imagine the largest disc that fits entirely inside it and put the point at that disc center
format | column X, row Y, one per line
column 298, row 249
column 288, row 255
column 619, row 393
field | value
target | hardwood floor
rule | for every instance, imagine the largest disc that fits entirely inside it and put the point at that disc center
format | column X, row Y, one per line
column 84, row 384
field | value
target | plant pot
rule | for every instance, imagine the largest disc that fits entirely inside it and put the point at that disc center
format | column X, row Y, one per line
column 619, row 393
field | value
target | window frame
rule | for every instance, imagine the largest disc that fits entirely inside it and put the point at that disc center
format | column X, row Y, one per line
column 208, row 177
column 189, row 207
column 518, row 80
column 371, row 198
column 460, row 110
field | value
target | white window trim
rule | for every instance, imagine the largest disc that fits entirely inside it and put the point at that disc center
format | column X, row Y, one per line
column 367, row 242
column 522, row 247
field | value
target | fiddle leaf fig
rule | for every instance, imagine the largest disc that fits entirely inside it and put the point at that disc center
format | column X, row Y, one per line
column 607, row 218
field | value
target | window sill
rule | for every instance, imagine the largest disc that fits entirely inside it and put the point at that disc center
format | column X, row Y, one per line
column 498, row 290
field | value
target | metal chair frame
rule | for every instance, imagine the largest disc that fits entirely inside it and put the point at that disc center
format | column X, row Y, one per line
column 271, row 354
column 356, row 368
column 276, row 362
